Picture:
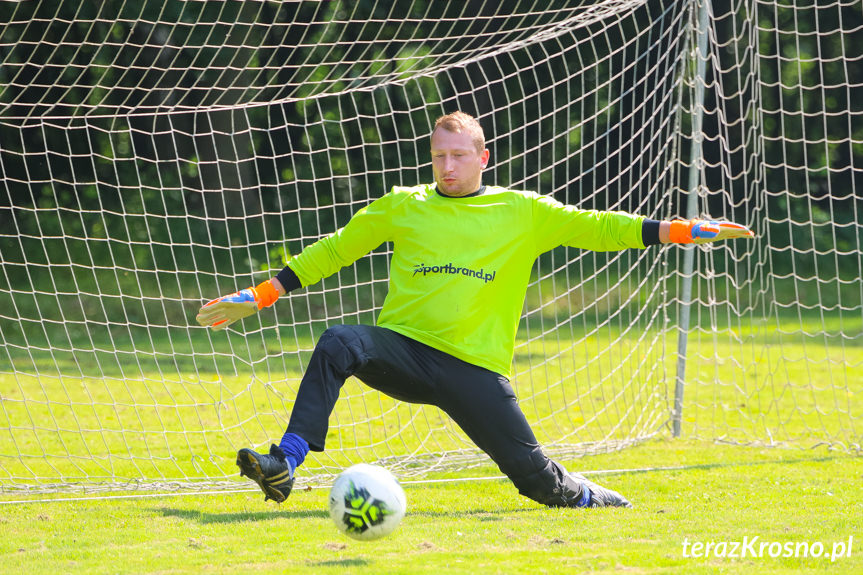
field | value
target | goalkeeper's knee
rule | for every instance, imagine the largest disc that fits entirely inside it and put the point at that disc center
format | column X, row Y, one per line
column 342, row 348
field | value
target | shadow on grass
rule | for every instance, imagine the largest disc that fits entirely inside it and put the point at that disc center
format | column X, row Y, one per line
column 342, row 563
column 209, row 518
column 215, row 518
column 481, row 514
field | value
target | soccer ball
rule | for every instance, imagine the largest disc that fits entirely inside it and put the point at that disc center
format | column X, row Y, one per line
column 367, row 502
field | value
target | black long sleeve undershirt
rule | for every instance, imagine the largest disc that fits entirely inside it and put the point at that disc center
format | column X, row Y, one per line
column 650, row 232
column 288, row 279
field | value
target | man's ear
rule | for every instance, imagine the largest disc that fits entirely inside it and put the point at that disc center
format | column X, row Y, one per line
column 483, row 158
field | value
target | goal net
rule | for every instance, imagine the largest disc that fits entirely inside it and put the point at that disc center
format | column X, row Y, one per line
column 156, row 155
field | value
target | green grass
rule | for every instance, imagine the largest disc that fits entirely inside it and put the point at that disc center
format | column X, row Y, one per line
column 712, row 493
column 127, row 415
column 178, row 409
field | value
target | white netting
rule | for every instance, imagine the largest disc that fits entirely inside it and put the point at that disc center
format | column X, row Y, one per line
column 776, row 354
column 154, row 155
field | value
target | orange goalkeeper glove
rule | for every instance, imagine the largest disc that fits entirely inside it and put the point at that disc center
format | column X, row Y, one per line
column 697, row 231
column 222, row 312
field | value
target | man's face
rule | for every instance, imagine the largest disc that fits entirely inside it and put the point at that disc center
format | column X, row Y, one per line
column 456, row 163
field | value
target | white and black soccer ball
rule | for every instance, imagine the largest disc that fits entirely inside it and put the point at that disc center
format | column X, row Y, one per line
column 367, row 502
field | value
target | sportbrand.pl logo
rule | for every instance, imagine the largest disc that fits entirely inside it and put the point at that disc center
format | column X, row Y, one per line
column 480, row 274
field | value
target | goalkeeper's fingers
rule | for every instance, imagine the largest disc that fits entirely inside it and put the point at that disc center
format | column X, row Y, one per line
column 222, row 312
column 698, row 231
column 713, row 231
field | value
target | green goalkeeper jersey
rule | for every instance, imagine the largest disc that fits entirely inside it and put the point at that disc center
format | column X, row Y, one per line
column 460, row 266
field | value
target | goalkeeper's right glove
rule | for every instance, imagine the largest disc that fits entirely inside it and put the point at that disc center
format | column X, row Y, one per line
column 220, row 313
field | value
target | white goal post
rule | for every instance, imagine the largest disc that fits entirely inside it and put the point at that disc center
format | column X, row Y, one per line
column 155, row 155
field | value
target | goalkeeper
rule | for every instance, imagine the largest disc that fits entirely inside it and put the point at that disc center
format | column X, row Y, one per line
column 462, row 256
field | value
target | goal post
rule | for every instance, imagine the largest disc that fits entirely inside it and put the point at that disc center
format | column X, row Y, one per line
column 777, row 323
column 156, row 155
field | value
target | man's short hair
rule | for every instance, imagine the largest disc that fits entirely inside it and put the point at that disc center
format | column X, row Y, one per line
column 459, row 122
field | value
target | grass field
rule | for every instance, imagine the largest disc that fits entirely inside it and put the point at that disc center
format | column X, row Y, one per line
column 713, row 493
column 163, row 413
column 180, row 409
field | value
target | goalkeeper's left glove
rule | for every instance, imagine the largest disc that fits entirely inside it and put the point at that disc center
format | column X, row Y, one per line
column 222, row 312
column 696, row 231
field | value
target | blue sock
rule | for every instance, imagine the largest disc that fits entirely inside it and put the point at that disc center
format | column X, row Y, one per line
column 585, row 496
column 295, row 448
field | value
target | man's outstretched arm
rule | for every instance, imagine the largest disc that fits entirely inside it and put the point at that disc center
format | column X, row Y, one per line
column 694, row 231
column 557, row 224
column 366, row 230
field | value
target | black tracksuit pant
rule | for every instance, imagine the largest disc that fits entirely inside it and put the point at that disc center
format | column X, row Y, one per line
column 480, row 401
